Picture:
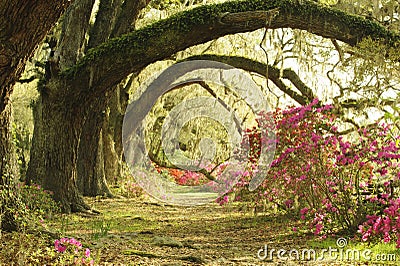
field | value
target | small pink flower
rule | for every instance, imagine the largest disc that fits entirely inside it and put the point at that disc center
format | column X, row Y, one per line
column 386, row 237
column 87, row 253
column 288, row 203
column 365, row 236
column 75, row 242
column 59, row 246
column 304, row 211
column 360, row 229
column 318, row 228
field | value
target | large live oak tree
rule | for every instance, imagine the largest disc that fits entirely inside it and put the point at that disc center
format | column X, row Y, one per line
column 23, row 25
column 98, row 154
column 100, row 151
column 66, row 96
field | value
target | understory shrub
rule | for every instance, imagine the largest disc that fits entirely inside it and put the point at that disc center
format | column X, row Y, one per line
column 130, row 189
column 38, row 200
column 184, row 177
column 38, row 203
column 27, row 206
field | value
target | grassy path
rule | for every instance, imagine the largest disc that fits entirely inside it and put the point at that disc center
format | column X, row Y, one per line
column 133, row 232
column 144, row 232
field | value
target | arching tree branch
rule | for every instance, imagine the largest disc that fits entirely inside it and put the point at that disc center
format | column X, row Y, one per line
column 274, row 74
column 107, row 64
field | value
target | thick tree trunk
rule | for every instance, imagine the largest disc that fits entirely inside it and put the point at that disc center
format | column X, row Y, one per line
column 113, row 149
column 58, row 124
column 8, row 172
column 57, row 146
column 100, row 150
column 22, row 29
column 91, row 174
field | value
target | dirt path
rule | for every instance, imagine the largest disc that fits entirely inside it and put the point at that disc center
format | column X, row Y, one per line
column 133, row 232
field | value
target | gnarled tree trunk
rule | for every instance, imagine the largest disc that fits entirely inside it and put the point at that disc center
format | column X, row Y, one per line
column 91, row 173
column 22, row 29
column 113, row 150
column 59, row 115
column 61, row 132
column 100, row 151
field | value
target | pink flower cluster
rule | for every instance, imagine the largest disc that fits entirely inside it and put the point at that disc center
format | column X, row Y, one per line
column 384, row 226
column 326, row 177
column 61, row 246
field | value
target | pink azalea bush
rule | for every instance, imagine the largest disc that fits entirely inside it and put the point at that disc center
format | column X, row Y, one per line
column 73, row 251
column 332, row 181
column 385, row 226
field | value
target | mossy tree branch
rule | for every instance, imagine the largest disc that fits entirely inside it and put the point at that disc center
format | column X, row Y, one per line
column 110, row 62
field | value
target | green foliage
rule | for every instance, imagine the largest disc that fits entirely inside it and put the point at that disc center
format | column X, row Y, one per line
column 38, row 200
column 395, row 119
column 100, row 228
column 22, row 142
column 26, row 249
column 28, row 206
column 22, row 127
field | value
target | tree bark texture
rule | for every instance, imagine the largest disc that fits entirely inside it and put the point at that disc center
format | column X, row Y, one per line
column 62, row 130
column 22, row 28
column 91, row 141
column 112, row 128
column 91, row 175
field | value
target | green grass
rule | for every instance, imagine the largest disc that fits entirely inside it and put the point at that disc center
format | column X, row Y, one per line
column 356, row 251
column 126, row 230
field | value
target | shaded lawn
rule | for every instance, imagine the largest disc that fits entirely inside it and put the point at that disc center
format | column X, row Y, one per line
column 210, row 234
column 144, row 232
